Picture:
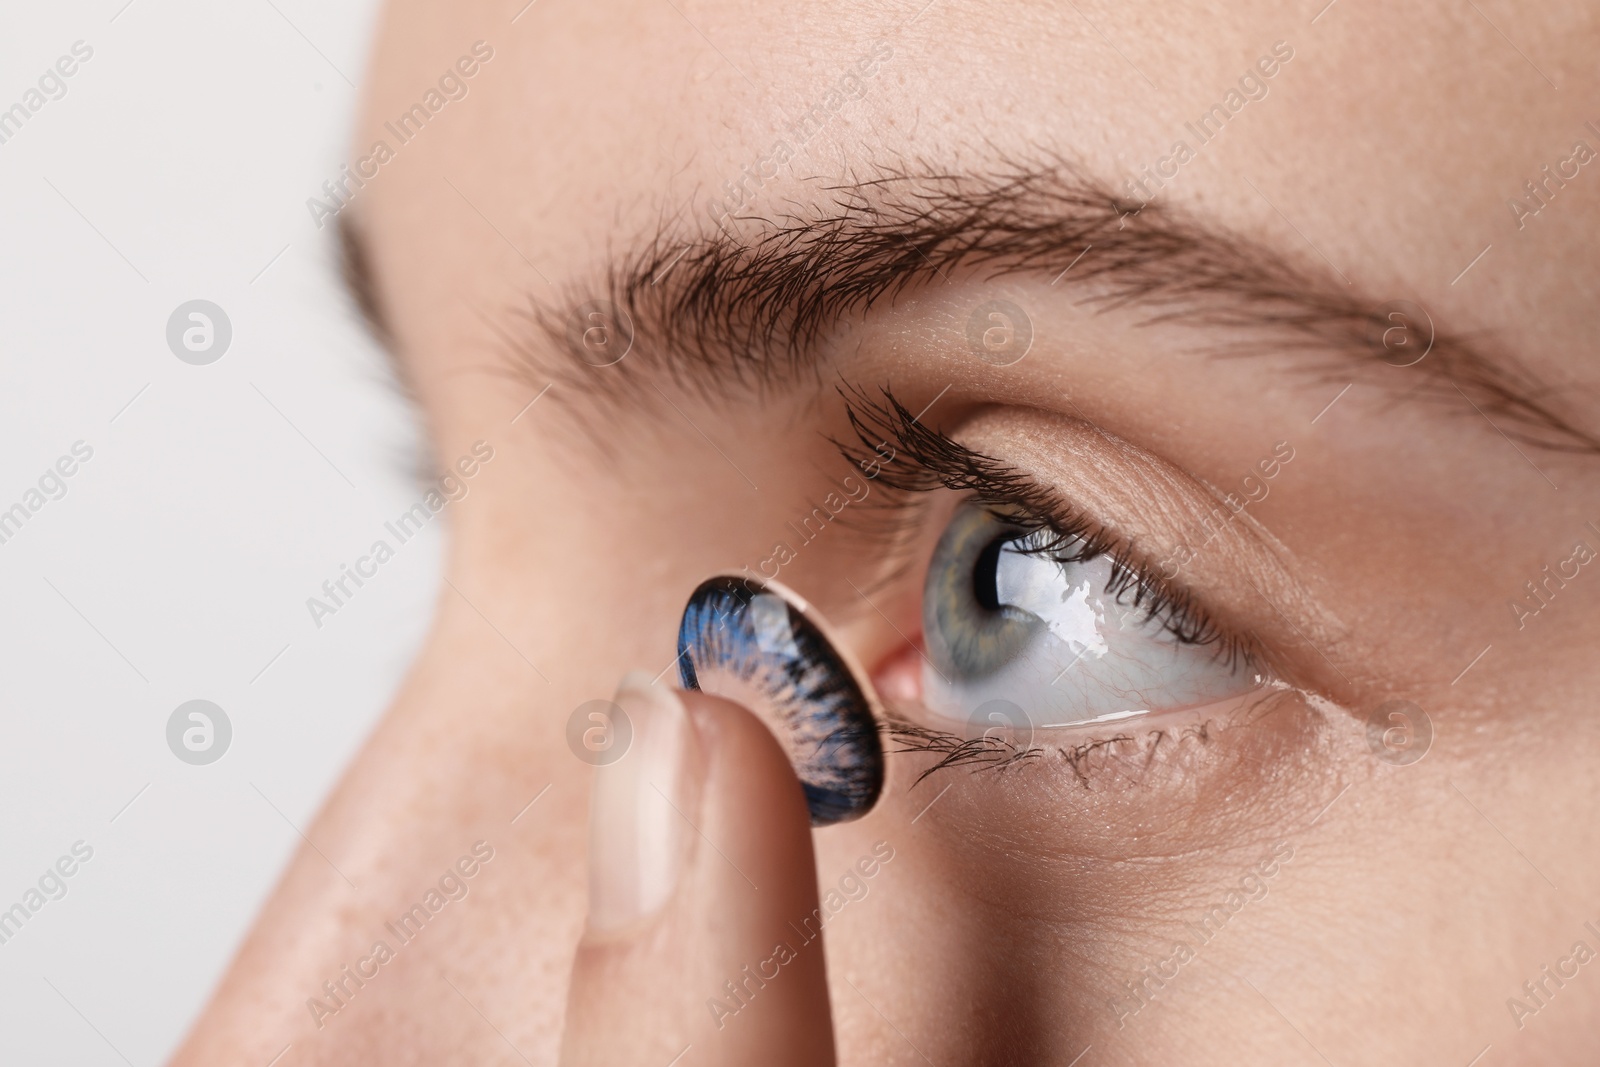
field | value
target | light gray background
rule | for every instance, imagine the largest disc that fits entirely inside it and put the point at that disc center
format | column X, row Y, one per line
column 216, row 502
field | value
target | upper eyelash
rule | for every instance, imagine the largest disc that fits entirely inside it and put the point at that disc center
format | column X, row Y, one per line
column 1070, row 535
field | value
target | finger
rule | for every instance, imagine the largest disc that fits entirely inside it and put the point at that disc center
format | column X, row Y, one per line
column 702, row 945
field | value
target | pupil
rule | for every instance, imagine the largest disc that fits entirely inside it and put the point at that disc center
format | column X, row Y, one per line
column 985, row 575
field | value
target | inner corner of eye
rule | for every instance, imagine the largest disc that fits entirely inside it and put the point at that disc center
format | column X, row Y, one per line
column 898, row 678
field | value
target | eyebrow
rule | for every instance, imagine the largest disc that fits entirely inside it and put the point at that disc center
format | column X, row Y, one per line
column 714, row 309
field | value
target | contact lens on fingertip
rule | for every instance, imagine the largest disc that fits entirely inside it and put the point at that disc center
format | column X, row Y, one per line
column 760, row 645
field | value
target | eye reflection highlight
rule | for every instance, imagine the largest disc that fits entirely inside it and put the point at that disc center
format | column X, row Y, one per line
column 756, row 643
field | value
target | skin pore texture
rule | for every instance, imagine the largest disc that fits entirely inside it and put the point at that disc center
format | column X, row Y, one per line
column 1375, row 911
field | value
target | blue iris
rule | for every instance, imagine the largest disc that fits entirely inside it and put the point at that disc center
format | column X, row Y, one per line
column 733, row 629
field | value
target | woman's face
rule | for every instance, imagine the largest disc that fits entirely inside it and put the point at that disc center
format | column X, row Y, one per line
column 1276, row 319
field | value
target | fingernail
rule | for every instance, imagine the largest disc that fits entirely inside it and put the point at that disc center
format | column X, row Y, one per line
column 639, row 810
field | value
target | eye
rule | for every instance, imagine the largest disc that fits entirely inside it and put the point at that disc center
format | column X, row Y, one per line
column 1033, row 618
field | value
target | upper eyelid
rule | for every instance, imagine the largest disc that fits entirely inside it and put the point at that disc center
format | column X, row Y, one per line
column 1249, row 580
column 1181, row 612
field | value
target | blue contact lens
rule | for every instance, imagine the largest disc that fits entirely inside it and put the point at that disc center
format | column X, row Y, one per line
column 753, row 643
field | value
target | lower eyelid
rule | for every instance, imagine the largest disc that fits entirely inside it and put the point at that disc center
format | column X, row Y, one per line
column 1156, row 749
column 1092, row 823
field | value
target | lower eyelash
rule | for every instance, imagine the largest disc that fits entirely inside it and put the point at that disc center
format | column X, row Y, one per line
column 976, row 753
column 1153, row 744
column 997, row 754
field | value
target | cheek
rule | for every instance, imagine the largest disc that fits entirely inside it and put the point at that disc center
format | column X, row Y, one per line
column 1046, row 886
